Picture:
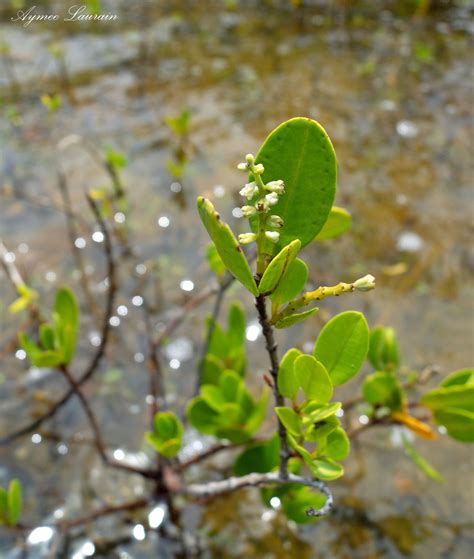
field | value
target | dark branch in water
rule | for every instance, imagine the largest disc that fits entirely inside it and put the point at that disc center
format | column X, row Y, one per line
column 271, row 347
column 214, row 488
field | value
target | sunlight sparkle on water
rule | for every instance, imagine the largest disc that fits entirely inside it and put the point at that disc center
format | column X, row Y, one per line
column 187, row 285
column 139, row 532
column 42, row 534
column 164, row 221
column 156, row 517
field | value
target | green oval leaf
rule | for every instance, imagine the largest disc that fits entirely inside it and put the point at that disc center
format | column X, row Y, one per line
column 342, row 345
column 226, row 244
column 317, row 412
column 337, row 445
column 464, row 376
column 383, row 348
column 288, row 384
column 326, row 469
column 295, row 504
column 300, row 153
column 291, row 284
column 67, row 323
column 295, row 318
column 313, row 379
column 338, row 222
column 261, row 457
column 458, row 423
column 202, row 416
column 290, row 419
column 277, row 267
column 454, row 396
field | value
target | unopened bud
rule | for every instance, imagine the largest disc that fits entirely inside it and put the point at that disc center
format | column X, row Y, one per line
column 249, row 158
column 272, row 198
column 275, row 186
column 247, row 238
column 248, row 211
column 272, row 236
column 258, row 169
column 275, row 221
column 365, row 284
column 242, row 167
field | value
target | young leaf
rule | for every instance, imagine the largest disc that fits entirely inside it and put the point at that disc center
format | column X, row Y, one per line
column 14, row 502
column 261, row 457
column 452, row 396
column 277, row 267
column 295, row 318
column 236, row 321
column 326, row 469
column 382, row 389
column 383, row 348
column 459, row 423
column 300, row 153
column 202, row 416
column 65, row 307
column 288, row 384
column 291, row 284
column 424, row 466
column 226, row 245
column 211, row 367
column 342, row 346
column 290, row 419
column 337, row 445
column 295, row 504
column 313, row 379
column 46, row 335
column 338, row 222
column 316, row 412
column 230, row 384
column 213, row 397
column 464, row 376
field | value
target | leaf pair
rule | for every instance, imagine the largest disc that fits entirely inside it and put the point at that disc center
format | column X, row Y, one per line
column 304, row 371
column 58, row 339
column 167, row 435
column 10, row 503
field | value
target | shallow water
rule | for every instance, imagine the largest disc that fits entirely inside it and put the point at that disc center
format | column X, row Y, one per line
column 395, row 95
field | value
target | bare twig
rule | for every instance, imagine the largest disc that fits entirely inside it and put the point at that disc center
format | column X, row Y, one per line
column 11, row 270
column 271, row 347
column 214, row 488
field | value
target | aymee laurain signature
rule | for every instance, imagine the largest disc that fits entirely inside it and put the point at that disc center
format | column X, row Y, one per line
column 74, row 13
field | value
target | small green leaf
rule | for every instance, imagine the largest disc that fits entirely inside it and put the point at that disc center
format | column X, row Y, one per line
column 295, row 318
column 236, row 330
column 342, row 345
column 459, row 423
column 215, row 261
column 261, row 457
column 300, row 153
column 291, row 284
column 452, row 396
column 278, row 267
column 290, row 419
column 464, row 376
column 326, row 469
column 424, row 466
column 316, row 412
column 211, row 367
column 213, row 397
column 383, row 348
column 46, row 335
column 167, row 426
column 318, row 432
column 65, row 307
column 337, row 445
column 338, row 222
column 230, row 384
column 288, row 384
column 313, row 379
column 14, row 502
column 226, row 245
column 202, row 416
column 382, row 389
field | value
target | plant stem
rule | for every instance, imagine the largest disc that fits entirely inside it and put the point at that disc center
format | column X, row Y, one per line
column 271, row 347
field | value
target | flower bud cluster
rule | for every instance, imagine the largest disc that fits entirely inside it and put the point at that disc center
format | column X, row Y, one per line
column 265, row 196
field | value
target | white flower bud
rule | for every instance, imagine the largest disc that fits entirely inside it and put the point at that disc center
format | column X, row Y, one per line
column 272, row 236
column 275, row 221
column 275, row 186
column 365, row 284
column 247, row 238
column 248, row 211
column 249, row 190
column 258, row 169
column 262, row 205
column 242, row 167
column 249, row 158
column 272, row 198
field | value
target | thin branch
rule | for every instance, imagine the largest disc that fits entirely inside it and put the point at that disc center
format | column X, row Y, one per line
column 77, row 254
column 271, row 347
column 11, row 270
column 211, row 451
column 94, row 363
column 214, row 488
